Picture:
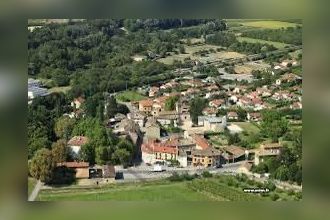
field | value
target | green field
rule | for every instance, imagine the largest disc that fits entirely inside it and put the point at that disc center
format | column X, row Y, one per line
column 31, row 184
column 63, row 89
column 128, row 192
column 269, row 24
column 253, row 40
column 248, row 127
column 216, row 188
column 128, row 96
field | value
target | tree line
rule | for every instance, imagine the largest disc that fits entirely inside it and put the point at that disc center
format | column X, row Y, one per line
column 290, row 35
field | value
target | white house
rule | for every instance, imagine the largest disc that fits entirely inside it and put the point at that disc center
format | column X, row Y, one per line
column 75, row 145
column 212, row 123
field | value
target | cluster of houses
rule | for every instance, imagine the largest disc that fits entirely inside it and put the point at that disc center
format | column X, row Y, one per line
column 148, row 122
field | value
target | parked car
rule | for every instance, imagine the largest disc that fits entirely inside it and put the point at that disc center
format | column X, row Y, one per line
column 158, row 168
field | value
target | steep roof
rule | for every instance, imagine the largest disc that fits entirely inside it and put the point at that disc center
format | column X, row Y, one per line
column 78, row 141
column 160, row 147
column 146, row 102
column 201, row 141
column 206, row 152
column 236, row 151
column 232, row 114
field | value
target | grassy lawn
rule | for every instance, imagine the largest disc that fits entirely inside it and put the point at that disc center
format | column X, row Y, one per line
column 129, row 192
column 252, row 40
column 269, row 24
column 248, row 127
column 63, row 89
column 128, row 96
column 31, row 184
column 218, row 140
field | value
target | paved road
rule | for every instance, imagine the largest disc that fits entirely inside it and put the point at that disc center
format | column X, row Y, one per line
column 35, row 191
column 144, row 173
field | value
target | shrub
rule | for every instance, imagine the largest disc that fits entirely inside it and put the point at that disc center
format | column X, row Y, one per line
column 175, row 177
column 178, row 178
column 270, row 185
column 291, row 193
column 274, row 196
column 206, row 174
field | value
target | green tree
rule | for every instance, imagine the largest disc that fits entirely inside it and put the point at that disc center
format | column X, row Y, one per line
column 60, row 77
column 37, row 139
column 260, row 168
column 196, row 107
column 282, row 173
column 60, row 151
column 87, row 153
column 241, row 114
column 63, row 127
column 112, row 107
column 121, row 156
column 170, row 103
column 181, row 49
column 42, row 165
column 103, row 154
column 273, row 125
column 233, row 138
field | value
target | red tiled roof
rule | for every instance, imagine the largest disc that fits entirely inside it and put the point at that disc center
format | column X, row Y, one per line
column 202, row 142
column 74, row 164
column 255, row 114
column 155, row 146
column 232, row 114
column 209, row 110
column 161, row 99
column 256, row 101
column 78, row 141
column 146, row 102
column 217, row 102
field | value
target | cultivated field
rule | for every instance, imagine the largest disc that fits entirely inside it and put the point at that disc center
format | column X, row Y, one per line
column 190, row 50
column 268, row 24
column 128, row 192
column 278, row 45
column 247, row 68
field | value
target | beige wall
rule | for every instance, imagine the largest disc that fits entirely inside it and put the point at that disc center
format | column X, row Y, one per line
column 153, row 132
column 205, row 161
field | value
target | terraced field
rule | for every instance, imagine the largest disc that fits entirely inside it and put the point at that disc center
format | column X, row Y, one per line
column 269, row 24
column 278, row 45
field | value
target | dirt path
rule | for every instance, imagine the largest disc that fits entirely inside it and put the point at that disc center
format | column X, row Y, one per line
column 35, row 191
